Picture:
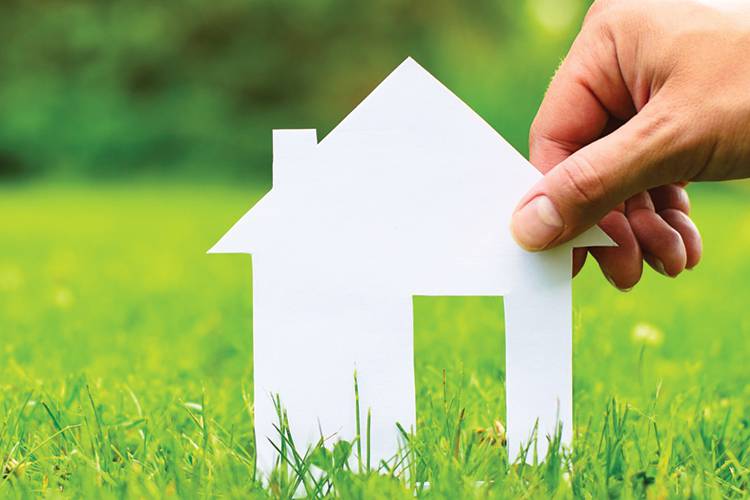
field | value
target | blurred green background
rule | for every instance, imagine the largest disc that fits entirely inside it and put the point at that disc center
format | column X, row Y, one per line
column 192, row 89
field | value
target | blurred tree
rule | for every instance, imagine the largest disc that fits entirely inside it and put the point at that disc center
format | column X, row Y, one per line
column 143, row 87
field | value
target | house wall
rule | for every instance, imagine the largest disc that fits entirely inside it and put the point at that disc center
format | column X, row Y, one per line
column 312, row 330
column 539, row 351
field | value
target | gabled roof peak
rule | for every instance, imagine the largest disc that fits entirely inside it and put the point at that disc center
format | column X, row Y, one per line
column 411, row 67
column 408, row 98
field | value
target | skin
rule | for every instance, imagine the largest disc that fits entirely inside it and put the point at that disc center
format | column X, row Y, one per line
column 652, row 95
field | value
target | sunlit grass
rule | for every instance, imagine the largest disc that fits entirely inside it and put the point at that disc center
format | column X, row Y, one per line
column 125, row 364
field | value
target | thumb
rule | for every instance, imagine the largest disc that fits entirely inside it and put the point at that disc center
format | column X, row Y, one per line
column 579, row 191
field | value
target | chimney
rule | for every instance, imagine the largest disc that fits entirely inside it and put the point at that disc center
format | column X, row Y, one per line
column 291, row 153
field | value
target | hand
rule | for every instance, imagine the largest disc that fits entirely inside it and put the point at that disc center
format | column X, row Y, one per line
column 652, row 94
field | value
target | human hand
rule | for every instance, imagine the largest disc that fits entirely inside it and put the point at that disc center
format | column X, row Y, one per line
column 652, row 95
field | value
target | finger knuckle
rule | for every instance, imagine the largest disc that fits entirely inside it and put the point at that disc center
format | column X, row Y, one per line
column 605, row 10
column 662, row 123
column 674, row 143
column 597, row 10
column 583, row 182
column 535, row 131
column 607, row 16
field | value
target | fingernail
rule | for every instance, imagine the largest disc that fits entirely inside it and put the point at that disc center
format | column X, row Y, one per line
column 659, row 267
column 684, row 198
column 537, row 224
column 612, row 282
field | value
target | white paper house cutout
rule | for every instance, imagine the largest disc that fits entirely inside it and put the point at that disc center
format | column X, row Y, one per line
column 411, row 194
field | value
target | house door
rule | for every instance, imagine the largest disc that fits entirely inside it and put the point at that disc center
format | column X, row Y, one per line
column 459, row 357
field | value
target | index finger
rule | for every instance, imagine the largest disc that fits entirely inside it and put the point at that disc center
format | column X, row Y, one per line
column 586, row 94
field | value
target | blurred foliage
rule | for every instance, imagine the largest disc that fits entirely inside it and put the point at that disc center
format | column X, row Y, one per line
column 123, row 88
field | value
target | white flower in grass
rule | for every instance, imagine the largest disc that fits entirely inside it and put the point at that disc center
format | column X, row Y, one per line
column 11, row 279
column 647, row 334
column 62, row 297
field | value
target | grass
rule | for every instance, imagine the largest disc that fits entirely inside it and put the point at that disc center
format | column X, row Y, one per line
column 125, row 365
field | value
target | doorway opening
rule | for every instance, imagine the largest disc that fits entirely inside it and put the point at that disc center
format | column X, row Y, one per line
column 459, row 362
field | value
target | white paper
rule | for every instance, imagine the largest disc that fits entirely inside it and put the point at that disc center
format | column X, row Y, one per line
column 411, row 194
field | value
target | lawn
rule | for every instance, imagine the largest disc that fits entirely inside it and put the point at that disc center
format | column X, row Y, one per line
column 125, row 363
